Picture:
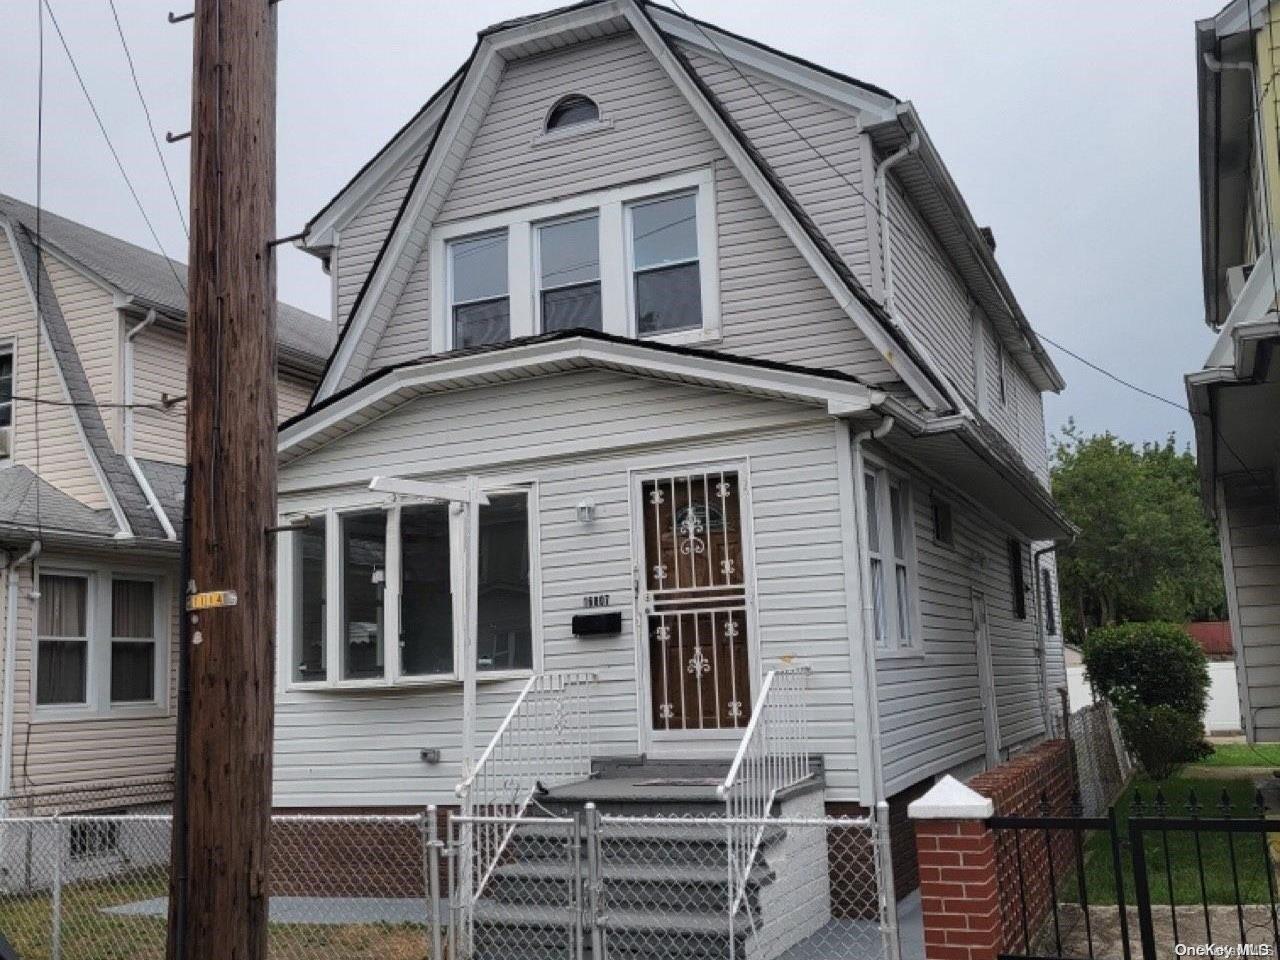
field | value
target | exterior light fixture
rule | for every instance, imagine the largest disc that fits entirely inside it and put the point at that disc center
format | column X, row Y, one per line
column 586, row 511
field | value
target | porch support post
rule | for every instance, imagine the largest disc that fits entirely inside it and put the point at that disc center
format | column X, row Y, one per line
column 959, row 888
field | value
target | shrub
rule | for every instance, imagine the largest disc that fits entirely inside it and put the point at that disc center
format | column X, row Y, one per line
column 1157, row 678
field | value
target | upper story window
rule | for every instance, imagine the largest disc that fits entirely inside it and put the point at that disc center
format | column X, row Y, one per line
column 100, row 642
column 569, row 273
column 664, row 264
column 633, row 261
column 480, row 307
column 1050, row 611
column 384, row 592
column 6, row 401
column 572, row 110
column 1018, row 578
column 891, row 547
column 1002, row 376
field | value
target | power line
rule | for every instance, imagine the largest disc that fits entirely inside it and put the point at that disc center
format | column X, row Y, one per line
column 163, row 405
column 39, row 318
column 1114, row 376
column 155, row 140
column 111, row 146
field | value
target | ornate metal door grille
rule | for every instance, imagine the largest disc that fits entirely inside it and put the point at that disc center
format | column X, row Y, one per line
column 695, row 601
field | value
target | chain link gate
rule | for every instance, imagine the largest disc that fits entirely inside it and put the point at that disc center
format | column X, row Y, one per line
column 598, row 886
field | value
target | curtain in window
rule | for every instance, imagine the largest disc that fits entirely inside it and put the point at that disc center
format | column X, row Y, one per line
column 63, row 606
column 133, row 609
column 133, row 672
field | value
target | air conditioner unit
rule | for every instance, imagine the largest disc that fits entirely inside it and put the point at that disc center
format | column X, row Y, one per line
column 1237, row 277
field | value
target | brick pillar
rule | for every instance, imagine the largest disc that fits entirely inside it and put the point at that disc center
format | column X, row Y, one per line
column 959, row 892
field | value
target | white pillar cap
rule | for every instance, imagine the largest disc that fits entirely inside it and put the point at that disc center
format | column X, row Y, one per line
column 949, row 799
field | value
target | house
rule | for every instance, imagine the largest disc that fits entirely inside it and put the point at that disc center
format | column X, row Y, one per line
column 92, row 441
column 673, row 367
column 1235, row 398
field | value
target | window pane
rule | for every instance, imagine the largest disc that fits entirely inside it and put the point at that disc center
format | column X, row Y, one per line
column 61, row 671
column 479, row 267
column 897, row 508
column 505, row 623
column 133, row 672
column 479, row 323
column 572, row 109
column 877, row 599
column 364, row 548
column 133, row 608
column 664, row 231
column 571, row 307
column 6, row 389
column 310, row 657
column 904, row 603
column 426, row 602
column 63, row 607
column 873, row 514
column 668, row 299
column 570, row 252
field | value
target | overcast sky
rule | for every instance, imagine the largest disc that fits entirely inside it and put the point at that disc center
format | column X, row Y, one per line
column 1070, row 128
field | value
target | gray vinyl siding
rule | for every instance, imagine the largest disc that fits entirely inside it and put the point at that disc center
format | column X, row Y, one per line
column 62, row 456
column 70, row 753
column 350, row 748
column 1055, row 651
column 930, row 706
column 159, row 368
column 839, row 199
column 772, row 303
column 95, row 328
column 362, row 237
column 1251, row 548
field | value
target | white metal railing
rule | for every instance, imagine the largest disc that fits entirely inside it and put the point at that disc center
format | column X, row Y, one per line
column 773, row 756
column 544, row 740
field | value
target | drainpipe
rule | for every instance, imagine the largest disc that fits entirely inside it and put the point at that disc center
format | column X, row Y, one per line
column 1042, row 638
column 10, row 666
column 890, row 295
column 868, row 605
column 135, row 468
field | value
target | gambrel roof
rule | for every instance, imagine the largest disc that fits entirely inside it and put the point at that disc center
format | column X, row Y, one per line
column 441, row 133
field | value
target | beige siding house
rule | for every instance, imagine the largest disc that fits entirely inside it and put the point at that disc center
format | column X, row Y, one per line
column 93, row 433
column 675, row 363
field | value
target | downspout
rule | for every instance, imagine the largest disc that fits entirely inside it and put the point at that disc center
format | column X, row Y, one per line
column 10, row 667
column 890, row 294
column 1042, row 639
column 868, row 605
column 152, row 500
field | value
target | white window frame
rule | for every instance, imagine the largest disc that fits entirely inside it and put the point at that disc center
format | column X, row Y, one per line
column 538, row 288
column 10, row 346
column 692, row 334
column 615, row 275
column 157, row 638
column 452, row 304
column 98, row 704
column 392, row 678
column 895, row 643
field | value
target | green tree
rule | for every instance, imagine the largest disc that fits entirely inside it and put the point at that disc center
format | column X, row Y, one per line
column 1145, row 551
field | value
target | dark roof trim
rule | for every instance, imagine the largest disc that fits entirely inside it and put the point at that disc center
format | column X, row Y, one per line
column 123, row 485
column 395, row 225
column 581, row 333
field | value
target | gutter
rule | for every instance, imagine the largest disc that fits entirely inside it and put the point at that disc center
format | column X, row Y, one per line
column 890, row 298
column 10, row 668
column 868, row 607
column 152, row 500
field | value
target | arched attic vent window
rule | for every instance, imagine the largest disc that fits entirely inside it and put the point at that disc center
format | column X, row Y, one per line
column 572, row 110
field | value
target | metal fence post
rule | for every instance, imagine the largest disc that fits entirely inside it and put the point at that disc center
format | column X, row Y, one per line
column 432, row 866
column 888, row 897
column 575, row 883
column 56, row 914
column 1141, row 890
column 451, row 866
column 593, row 880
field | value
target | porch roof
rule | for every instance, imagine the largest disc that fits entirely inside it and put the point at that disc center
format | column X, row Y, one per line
column 374, row 396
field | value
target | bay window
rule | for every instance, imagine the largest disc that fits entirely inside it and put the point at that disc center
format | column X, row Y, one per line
column 480, row 305
column 402, row 580
column 664, row 265
column 569, row 274
column 891, row 553
column 101, row 642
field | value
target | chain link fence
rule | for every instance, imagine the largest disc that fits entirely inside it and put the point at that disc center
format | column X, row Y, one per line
column 1103, row 765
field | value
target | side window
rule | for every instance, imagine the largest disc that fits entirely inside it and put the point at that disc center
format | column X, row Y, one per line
column 6, row 402
column 1018, row 579
column 1050, row 611
column 479, row 304
column 1002, row 387
column 666, row 276
column 943, row 529
column 891, row 549
column 310, row 658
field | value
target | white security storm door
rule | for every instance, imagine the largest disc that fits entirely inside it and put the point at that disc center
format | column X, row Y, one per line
column 695, row 624
column 986, row 678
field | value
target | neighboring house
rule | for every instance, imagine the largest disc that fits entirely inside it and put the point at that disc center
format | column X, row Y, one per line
column 1235, row 399
column 91, row 494
column 727, row 419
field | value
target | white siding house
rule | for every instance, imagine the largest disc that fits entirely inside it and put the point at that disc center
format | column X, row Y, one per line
column 601, row 282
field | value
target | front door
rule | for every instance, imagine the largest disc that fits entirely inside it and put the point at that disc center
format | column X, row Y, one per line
column 694, row 624
column 986, row 678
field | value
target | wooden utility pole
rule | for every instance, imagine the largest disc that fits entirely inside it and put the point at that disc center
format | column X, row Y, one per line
column 218, row 902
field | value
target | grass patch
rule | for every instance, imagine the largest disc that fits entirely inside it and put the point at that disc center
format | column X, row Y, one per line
column 90, row 934
column 1182, row 864
column 1262, row 755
